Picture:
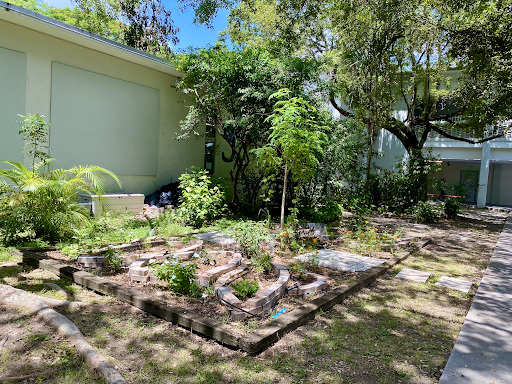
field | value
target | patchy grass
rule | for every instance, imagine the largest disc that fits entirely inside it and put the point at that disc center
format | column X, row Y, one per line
column 391, row 332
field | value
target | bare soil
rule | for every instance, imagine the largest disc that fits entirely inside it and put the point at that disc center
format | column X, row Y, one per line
column 390, row 332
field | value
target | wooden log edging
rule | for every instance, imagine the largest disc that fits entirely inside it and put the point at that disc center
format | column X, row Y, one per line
column 254, row 342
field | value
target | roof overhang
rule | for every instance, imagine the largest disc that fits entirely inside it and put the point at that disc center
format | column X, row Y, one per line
column 60, row 30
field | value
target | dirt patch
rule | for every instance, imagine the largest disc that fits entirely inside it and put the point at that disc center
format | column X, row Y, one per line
column 391, row 332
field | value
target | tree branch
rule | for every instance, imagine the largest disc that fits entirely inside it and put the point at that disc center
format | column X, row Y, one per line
column 479, row 141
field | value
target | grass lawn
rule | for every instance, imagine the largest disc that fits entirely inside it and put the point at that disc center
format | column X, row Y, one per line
column 390, row 332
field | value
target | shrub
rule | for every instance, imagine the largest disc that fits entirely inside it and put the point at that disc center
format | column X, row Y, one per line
column 179, row 277
column 245, row 289
column 43, row 203
column 326, row 213
column 251, row 235
column 263, row 263
column 299, row 270
column 201, row 199
column 112, row 259
column 451, row 207
column 426, row 212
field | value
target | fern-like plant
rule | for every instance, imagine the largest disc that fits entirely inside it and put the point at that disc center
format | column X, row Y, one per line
column 43, row 203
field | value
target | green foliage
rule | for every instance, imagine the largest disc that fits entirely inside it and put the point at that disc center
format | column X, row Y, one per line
column 35, row 132
column 252, row 236
column 263, row 263
column 141, row 24
column 340, row 171
column 403, row 187
column 179, row 277
column 200, row 200
column 245, row 289
column 299, row 270
column 295, row 142
column 43, row 203
column 329, row 212
column 112, row 259
column 231, row 90
column 426, row 212
column 451, row 207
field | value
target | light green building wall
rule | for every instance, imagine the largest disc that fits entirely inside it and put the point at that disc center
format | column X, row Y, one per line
column 13, row 70
column 107, row 106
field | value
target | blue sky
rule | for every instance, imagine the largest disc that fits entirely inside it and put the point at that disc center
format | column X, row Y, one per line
column 190, row 34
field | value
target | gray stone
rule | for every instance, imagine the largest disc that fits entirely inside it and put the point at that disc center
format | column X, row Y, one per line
column 453, row 283
column 339, row 260
column 318, row 228
column 215, row 237
column 414, row 275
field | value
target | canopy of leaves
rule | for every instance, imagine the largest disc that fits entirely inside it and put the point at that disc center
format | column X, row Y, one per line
column 142, row 24
column 379, row 56
column 231, row 91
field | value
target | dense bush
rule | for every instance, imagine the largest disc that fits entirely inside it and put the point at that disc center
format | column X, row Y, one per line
column 202, row 199
column 43, row 203
column 426, row 212
column 451, row 207
column 328, row 212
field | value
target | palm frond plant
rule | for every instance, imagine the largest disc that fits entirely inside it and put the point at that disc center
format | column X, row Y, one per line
column 43, row 203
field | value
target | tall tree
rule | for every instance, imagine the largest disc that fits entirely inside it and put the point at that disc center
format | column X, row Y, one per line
column 383, row 55
column 141, row 24
column 231, row 92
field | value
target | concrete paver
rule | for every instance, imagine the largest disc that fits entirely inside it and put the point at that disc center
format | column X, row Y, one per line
column 453, row 283
column 414, row 275
column 215, row 237
column 341, row 261
column 483, row 351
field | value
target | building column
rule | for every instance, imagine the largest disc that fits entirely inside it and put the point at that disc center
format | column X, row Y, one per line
column 484, row 175
column 39, row 89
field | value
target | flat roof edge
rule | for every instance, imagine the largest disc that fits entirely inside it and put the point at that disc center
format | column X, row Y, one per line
column 170, row 69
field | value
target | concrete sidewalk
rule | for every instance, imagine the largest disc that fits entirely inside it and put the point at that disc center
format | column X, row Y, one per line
column 483, row 351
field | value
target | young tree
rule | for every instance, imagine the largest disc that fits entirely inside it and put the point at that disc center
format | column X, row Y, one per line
column 231, row 91
column 35, row 132
column 295, row 142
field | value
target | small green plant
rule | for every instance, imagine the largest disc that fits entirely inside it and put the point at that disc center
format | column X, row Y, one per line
column 208, row 257
column 179, row 277
column 35, row 131
column 426, row 212
column 299, row 270
column 263, row 263
column 252, row 236
column 245, row 289
column 111, row 259
column 451, row 207
column 201, row 200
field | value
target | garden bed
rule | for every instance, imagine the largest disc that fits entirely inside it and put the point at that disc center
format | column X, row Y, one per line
column 209, row 306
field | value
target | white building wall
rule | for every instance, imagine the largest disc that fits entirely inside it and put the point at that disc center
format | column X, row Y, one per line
column 495, row 169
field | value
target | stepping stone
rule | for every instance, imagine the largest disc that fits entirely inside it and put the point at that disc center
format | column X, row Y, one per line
column 215, row 237
column 318, row 228
column 462, row 238
column 414, row 275
column 453, row 283
column 341, row 261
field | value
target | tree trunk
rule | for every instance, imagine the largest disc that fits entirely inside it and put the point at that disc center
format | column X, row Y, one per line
column 371, row 129
column 283, row 199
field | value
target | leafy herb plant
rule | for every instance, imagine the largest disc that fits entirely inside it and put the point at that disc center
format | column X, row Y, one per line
column 245, row 288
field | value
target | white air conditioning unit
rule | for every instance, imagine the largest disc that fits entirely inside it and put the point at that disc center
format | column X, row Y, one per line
column 120, row 203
